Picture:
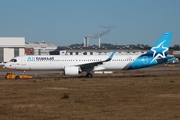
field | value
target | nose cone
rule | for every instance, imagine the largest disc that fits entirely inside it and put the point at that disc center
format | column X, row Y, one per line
column 7, row 65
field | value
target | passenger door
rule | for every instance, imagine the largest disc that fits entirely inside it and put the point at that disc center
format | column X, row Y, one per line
column 23, row 60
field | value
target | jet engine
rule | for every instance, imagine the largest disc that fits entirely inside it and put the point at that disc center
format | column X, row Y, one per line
column 71, row 70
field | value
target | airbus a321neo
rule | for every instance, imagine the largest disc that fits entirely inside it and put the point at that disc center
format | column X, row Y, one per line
column 73, row 65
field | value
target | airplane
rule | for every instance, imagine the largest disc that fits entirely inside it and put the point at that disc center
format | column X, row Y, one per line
column 74, row 65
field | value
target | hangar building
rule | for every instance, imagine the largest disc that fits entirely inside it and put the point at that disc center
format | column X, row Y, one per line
column 11, row 47
column 38, row 48
column 95, row 50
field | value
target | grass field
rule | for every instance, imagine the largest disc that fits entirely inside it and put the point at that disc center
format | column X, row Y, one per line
column 137, row 95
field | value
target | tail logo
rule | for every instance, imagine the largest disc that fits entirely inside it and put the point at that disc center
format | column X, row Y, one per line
column 159, row 51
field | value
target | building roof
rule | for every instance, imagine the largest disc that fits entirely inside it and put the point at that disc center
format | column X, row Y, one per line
column 102, row 48
column 39, row 45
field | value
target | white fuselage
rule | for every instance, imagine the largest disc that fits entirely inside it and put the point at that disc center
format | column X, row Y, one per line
column 57, row 62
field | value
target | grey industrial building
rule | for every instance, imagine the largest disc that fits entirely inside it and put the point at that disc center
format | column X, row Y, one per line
column 39, row 48
column 96, row 50
column 11, row 47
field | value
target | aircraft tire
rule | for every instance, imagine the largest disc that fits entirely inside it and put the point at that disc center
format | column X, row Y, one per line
column 89, row 75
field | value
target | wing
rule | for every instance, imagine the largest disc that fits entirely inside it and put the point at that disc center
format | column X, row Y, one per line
column 90, row 66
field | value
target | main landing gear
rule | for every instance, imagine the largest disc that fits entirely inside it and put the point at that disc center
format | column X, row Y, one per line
column 89, row 75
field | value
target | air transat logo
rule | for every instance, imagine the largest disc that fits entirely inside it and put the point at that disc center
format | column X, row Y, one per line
column 40, row 58
column 159, row 51
column 31, row 58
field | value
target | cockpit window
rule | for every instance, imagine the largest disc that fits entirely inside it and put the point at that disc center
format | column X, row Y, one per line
column 13, row 60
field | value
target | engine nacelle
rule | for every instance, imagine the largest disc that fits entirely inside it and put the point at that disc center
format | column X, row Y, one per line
column 71, row 70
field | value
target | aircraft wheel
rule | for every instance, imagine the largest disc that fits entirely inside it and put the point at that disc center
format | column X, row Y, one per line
column 89, row 75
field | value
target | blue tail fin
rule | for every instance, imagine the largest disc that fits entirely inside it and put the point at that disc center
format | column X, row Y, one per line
column 156, row 55
column 160, row 48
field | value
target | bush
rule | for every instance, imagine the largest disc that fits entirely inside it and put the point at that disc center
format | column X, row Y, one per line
column 65, row 96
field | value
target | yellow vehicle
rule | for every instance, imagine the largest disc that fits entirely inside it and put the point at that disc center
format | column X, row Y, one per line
column 14, row 76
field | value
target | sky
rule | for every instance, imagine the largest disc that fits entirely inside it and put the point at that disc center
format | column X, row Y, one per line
column 65, row 22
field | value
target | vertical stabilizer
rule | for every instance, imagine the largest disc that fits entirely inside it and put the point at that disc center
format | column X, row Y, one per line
column 156, row 55
column 160, row 48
